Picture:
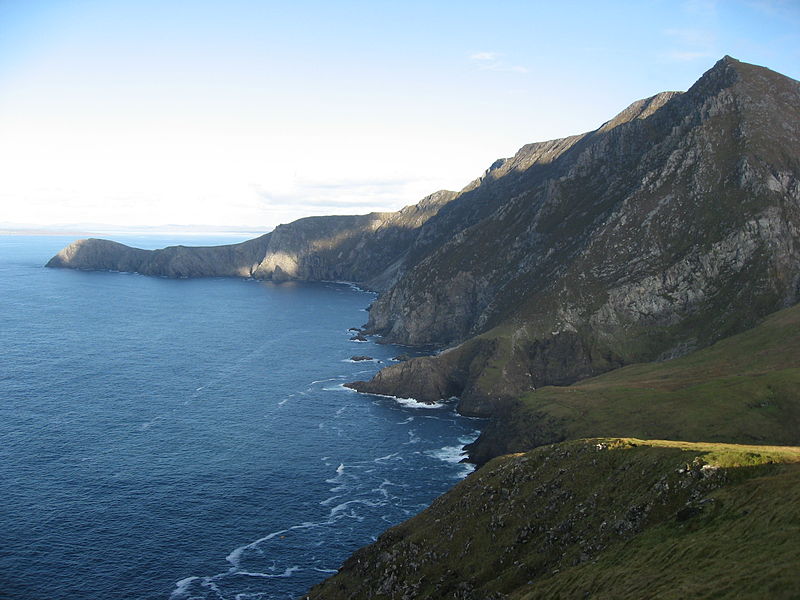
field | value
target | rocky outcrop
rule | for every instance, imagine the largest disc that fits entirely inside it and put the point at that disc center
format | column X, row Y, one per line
column 235, row 260
column 451, row 373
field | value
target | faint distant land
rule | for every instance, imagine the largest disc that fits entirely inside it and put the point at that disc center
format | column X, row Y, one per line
column 99, row 229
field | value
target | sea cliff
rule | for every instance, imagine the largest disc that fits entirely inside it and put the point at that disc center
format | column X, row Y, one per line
column 636, row 281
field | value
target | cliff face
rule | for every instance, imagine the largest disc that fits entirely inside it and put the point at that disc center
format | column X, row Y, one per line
column 235, row 260
column 369, row 249
column 673, row 225
column 599, row 518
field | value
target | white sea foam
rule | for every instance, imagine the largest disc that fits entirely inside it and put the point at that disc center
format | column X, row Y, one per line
column 329, row 501
column 448, row 454
column 338, row 388
column 339, row 508
column 381, row 490
column 466, row 469
column 235, row 557
column 181, row 590
column 286, row 573
column 412, row 403
column 326, row 380
column 387, row 457
column 455, row 454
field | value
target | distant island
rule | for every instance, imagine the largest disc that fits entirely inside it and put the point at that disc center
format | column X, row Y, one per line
column 632, row 284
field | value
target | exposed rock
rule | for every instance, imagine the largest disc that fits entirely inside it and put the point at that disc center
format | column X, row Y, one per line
column 675, row 224
column 360, row 358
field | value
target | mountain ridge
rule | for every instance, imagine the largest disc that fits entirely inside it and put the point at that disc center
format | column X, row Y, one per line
column 666, row 234
column 672, row 225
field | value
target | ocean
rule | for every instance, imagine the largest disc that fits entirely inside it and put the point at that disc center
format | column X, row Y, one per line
column 175, row 439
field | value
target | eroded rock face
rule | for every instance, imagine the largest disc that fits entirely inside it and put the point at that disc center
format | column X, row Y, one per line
column 675, row 224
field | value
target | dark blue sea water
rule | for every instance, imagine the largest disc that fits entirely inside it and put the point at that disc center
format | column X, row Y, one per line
column 191, row 439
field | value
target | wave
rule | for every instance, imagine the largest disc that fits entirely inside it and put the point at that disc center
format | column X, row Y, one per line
column 448, row 454
column 235, row 557
column 182, row 588
column 411, row 402
column 338, row 388
column 338, row 378
column 286, row 573
column 387, row 457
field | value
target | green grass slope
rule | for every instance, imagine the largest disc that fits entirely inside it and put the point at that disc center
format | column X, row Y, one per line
column 743, row 389
column 599, row 518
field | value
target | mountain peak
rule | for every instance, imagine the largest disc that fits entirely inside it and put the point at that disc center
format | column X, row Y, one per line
column 723, row 74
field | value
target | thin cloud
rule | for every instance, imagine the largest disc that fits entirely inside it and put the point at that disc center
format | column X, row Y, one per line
column 485, row 56
column 492, row 61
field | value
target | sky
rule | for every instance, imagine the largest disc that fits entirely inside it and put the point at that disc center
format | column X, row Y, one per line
column 245, row 113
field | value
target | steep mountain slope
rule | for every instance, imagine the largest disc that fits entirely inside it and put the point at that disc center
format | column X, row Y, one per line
column 599, row 518
column 672, row 226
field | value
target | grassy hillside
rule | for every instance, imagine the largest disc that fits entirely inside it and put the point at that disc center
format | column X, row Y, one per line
column 744, row 389
column 598, row 518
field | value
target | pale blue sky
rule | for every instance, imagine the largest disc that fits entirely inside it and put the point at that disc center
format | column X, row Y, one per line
column 239, row 112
